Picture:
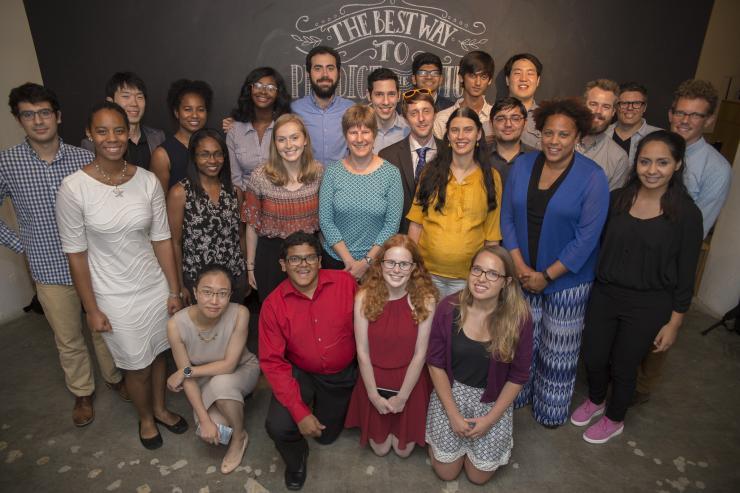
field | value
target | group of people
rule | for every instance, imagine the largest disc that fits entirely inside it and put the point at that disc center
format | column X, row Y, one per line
column 424, row 266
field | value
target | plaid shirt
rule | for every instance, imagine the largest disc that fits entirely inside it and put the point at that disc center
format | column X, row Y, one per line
column 32, row 186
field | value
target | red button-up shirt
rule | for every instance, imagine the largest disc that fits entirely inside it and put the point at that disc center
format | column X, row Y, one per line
column 315, row 334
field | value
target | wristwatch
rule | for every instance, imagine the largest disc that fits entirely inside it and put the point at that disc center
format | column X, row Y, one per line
column 369, row 260
column 546, row 276
column 187, row 371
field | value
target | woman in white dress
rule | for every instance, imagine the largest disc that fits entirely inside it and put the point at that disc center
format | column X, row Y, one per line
column 113, row 225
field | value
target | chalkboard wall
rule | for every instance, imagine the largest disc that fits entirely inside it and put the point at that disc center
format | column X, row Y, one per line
column 81, row 43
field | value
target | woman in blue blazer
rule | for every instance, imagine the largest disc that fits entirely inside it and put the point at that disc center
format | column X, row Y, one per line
column 554, row 207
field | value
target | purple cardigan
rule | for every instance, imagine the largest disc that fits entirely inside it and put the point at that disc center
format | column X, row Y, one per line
column 439, row 353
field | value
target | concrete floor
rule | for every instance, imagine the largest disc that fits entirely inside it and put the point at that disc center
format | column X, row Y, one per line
column 687, row 438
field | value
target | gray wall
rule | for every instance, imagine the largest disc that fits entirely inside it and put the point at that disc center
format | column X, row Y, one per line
column 80, row 43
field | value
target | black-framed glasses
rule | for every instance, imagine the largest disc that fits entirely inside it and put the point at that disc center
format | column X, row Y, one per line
column 491, row 275
column 511, row 118
column 29, row 115
column 296, row 260
column 413, row 92
column 221, row 294
column 633, row 105
column 205, row 155
column 258, row 86
column 404, row 265
column 694, row 116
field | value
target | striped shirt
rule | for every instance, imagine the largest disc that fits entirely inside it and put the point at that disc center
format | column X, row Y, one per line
column 32, row 184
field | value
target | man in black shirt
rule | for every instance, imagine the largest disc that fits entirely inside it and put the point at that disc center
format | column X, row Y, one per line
column 508, row 119
column 128, row 91
column 630, row 126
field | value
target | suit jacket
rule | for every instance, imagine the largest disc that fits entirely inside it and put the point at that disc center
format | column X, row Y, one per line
column 399, row 155
column 154, row 137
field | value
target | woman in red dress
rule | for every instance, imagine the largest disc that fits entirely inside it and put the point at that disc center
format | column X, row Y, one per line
column 393, row 316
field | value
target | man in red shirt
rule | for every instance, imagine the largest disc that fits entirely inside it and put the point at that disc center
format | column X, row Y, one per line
column 307, row 353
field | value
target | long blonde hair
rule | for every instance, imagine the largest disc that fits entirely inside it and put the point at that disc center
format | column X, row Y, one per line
column 511, row 312
column 274, row 167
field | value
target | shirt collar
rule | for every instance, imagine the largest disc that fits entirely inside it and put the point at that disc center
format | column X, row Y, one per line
column 696, row 146
column 432, row 144
column 288, row 289
column 476, row 175
column 30, row 150
column 316, row 104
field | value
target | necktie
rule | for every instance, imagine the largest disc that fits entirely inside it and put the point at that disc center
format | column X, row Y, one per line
column 422, row 153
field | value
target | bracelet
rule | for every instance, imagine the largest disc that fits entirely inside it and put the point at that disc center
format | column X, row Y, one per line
column 250, row 270
column 175, row 295
column 547, row 276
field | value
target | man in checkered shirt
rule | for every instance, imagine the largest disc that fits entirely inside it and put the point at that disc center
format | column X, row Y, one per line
column 30, row 174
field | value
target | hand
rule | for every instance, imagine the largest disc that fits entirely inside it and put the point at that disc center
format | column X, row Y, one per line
column 174, row 305
column 459, row 425
column 310, row 426
column 251, row 279
column 174, row 383
column 477, row 427
column 381, row 404
column 209, row 432
column 523, row 270
column 357, row 268
column 397, row 403
column 226, row 124
column 665, row 338
column 187, row 298
column 534, row 281
column 98, row 321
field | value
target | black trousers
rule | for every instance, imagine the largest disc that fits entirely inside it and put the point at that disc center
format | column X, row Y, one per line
column 267, row 270
column 329, row 395
column 329, row 262
column 621, row 325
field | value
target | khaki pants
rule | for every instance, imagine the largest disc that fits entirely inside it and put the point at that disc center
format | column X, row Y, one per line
column 63, row 312
column 649, row 371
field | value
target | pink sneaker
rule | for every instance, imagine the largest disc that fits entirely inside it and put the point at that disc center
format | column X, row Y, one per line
column 585, row 412
column 603, row 430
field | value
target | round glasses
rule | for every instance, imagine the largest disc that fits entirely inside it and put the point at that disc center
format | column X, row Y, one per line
column 491, row 275
column 391, row 264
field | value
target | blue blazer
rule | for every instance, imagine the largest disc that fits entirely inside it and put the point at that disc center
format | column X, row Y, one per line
column 572, row 224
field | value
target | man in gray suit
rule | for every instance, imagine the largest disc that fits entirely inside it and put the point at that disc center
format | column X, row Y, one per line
column 417, row 150
column 129, row 91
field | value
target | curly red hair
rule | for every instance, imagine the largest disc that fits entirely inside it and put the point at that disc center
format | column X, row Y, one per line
column 420, row 288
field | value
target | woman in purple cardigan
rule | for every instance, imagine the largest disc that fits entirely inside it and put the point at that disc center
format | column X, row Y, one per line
column 554, row 208
column 480, row 350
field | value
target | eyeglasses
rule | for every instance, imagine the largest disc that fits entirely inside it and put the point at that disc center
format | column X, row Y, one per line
column 296, row 260
column 511, row 118
column 258, row 86
column 205, row 156
column 413, row 92
column 633, row 105
column 391, row 264
column 29, row 115
column 428, row 73
column 694, row 116
column 209, row 293
column 491, row 275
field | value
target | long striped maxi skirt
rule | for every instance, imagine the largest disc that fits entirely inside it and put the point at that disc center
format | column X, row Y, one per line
column 558, row 324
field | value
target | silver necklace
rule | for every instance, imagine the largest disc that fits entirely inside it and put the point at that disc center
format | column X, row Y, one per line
column 116, row 191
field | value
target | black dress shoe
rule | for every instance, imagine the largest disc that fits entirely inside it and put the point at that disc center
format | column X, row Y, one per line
column 294, row 480
column 150, row 443
column 178, row 428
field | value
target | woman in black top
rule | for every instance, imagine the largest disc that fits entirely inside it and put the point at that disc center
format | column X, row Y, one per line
column 644, row 280
column 189, row 101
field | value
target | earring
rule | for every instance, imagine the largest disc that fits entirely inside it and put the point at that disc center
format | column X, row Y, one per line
column 89, row 138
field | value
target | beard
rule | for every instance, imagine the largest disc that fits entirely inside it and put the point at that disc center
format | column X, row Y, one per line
column 322, row 92
column 598, row 126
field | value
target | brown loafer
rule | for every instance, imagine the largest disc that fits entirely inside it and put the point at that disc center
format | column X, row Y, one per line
column 83, row 413
column 120, row 388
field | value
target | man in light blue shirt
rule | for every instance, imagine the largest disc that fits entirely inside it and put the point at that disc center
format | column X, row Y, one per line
column 383, row 94
column 322, row 110
column 707, row 175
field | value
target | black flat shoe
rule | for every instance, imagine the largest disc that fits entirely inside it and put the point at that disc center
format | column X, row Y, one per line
column 294, row 480
column 178, row 428
column 150, row 443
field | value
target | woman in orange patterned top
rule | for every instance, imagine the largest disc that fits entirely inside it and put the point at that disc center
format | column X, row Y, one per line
column 282, row 197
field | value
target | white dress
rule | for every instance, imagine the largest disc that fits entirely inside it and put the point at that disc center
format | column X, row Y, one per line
column 117, row 231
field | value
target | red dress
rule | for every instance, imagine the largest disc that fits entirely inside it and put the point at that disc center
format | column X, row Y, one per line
column 391, row 340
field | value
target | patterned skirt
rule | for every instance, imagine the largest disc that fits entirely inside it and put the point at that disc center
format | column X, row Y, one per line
column 486, row 453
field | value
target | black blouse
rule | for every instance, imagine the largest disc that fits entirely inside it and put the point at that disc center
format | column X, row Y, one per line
column 537, row 201
column 652, row 254
column 470, row 360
